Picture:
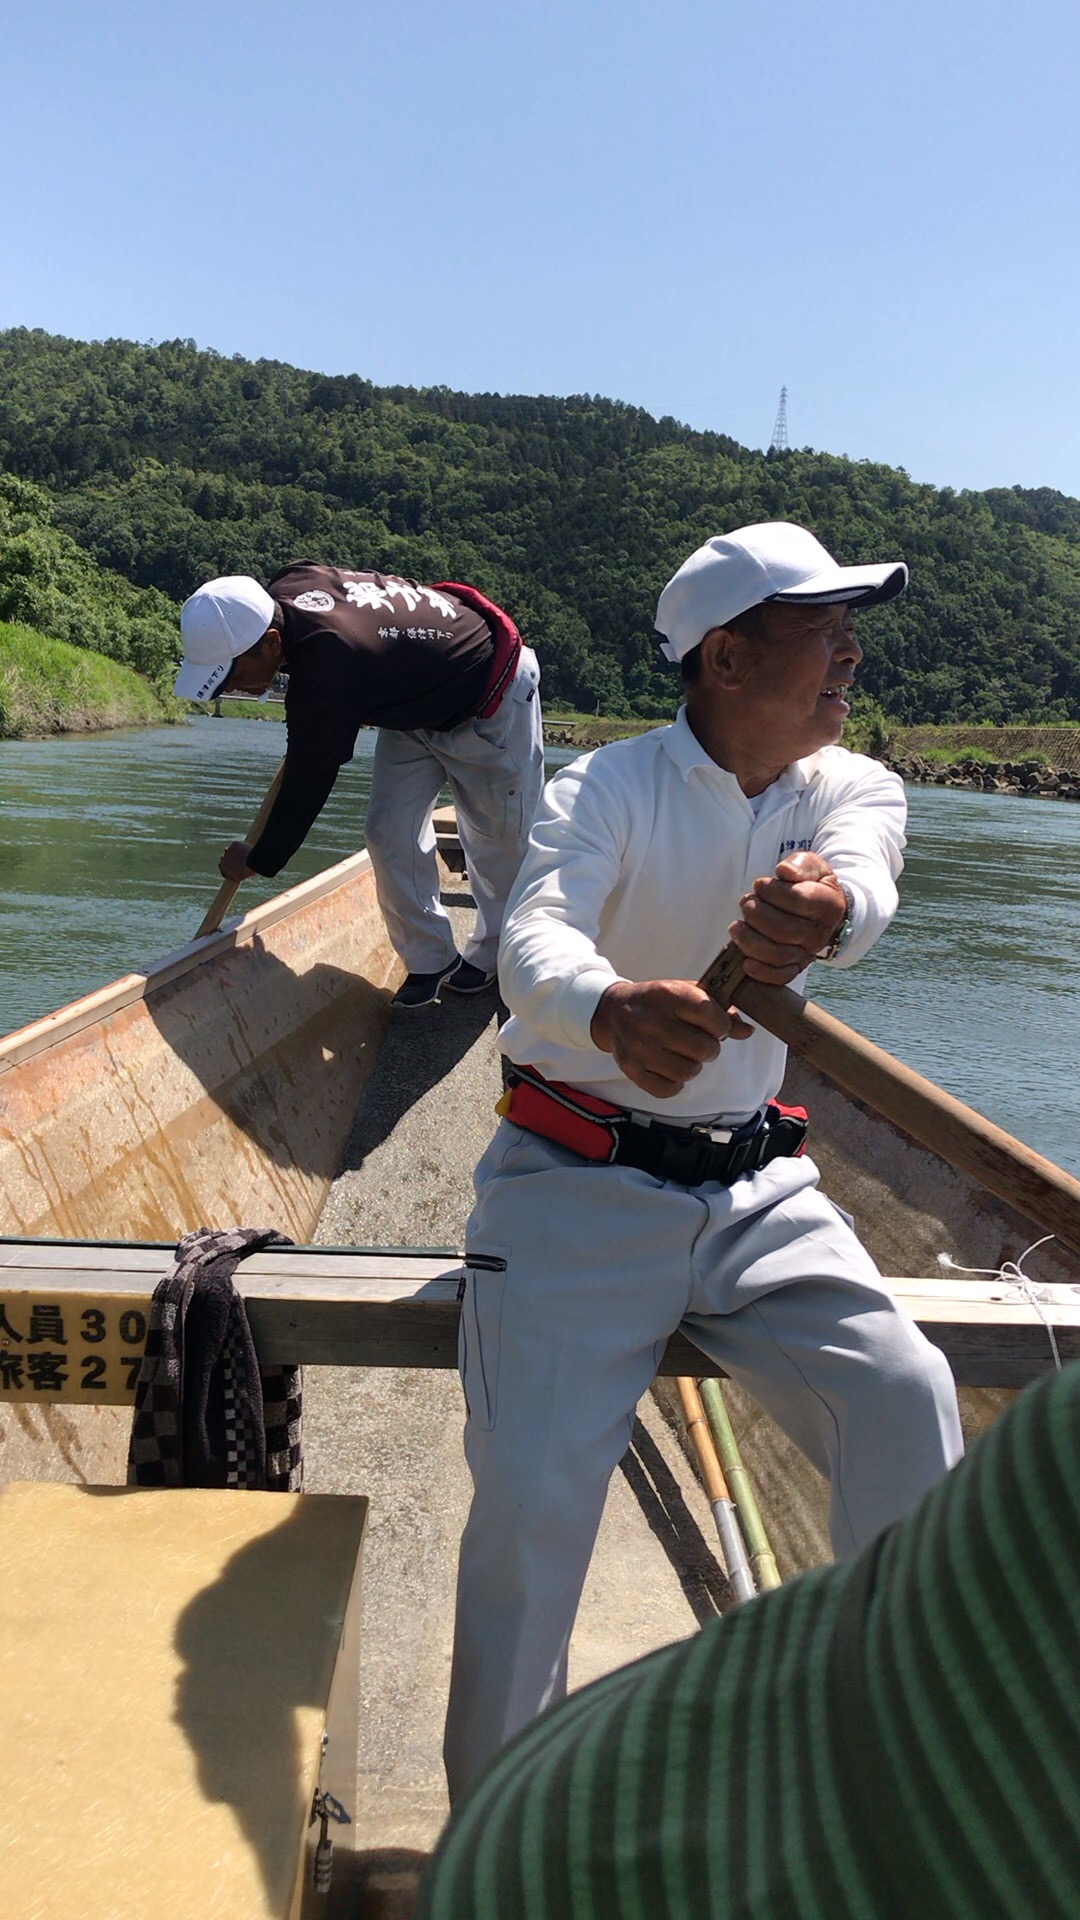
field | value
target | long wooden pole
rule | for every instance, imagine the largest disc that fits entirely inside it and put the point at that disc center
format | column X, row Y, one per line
column 222, row 900
column 1033, row 1185
column 732, row 1544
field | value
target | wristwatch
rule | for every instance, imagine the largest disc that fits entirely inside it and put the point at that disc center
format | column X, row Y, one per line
column 843, row 930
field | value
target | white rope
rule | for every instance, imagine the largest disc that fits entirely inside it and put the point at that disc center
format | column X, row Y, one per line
column 1012, row 1275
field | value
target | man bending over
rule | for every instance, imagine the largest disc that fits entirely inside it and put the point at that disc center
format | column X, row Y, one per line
column 442, row 673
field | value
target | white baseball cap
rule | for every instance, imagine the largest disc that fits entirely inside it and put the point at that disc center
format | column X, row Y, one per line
column 223, row 618
column 773, row 561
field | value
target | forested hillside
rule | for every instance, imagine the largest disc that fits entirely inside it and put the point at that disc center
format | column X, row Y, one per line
column 49, row 583
column 165, row 465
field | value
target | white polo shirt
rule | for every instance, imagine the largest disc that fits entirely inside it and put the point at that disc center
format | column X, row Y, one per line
column 636, row 864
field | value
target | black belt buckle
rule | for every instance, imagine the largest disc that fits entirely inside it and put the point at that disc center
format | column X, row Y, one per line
column 744, row 1154
column 689, row 1156
column 693, row 1155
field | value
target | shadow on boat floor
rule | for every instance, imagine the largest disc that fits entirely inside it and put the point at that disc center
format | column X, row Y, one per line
column 421, row 1049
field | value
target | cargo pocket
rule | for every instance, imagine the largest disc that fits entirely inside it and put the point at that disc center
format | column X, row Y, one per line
column 479, row 1332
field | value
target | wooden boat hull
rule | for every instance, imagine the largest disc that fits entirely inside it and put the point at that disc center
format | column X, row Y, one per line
column 216, row 1089
column 220, row 1087
column 909, row 1206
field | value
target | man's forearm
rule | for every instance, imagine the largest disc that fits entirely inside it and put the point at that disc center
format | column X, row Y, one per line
column 300, row 801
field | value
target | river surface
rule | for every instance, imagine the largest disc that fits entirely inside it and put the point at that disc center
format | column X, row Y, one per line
column 109, row 845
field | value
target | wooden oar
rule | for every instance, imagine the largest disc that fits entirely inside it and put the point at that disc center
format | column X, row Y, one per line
column 222, row 900
column 732, row 1544
column 1033, row 1185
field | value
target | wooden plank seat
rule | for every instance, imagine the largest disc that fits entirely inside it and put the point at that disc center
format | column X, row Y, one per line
column 178, row 1682
column 398, row 1307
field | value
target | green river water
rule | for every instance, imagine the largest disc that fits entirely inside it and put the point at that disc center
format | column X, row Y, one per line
column 109, row 845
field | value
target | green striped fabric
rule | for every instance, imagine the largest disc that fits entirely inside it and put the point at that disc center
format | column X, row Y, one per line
column 895, row 1737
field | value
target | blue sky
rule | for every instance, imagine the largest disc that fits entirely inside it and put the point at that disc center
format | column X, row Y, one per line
column 681, row 206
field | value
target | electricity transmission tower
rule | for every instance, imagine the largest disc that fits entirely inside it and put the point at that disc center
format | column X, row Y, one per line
column 779, row 440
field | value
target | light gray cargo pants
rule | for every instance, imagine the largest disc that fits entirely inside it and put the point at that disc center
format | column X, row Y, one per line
column 495, row 771
column 581, row 1273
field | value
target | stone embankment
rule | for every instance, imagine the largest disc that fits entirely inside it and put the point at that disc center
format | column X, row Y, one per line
column 585, row 735
column 569, row 737
column 992, row 776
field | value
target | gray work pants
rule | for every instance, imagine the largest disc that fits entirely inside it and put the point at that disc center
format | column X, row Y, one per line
column 495, row 771
column 602, row 1264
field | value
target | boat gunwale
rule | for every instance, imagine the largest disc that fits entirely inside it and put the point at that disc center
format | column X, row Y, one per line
column 52, row 1028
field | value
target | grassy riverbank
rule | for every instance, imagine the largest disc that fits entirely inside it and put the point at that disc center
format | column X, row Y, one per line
column 871, row 731
column 47, row 686
column 231, row 708
column 563, row 728
column 1057, row 747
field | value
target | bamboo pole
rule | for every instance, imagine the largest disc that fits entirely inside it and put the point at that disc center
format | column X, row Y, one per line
column 222, row 900
column 1033, row 1185
column 762, row 1558
column 732, row 1544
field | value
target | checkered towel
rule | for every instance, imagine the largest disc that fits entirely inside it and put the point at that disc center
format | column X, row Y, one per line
column 206, row 1413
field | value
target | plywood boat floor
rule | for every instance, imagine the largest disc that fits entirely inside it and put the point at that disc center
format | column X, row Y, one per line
column 169, row 1664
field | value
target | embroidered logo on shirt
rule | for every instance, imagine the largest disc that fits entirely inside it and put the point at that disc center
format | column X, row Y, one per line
column 315, row 602
column 366, row 593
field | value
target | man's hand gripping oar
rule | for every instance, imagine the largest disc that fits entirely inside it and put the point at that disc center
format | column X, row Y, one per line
column 1041, row 1191
column 788, row 919
column 233, row 864
column 662, row 1032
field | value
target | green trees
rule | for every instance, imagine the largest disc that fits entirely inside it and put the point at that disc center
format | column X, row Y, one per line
column 166, row 465
column 49, row 583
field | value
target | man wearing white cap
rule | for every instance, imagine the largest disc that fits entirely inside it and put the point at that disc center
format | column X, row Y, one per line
column 642, row 1177
column 442, row 673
